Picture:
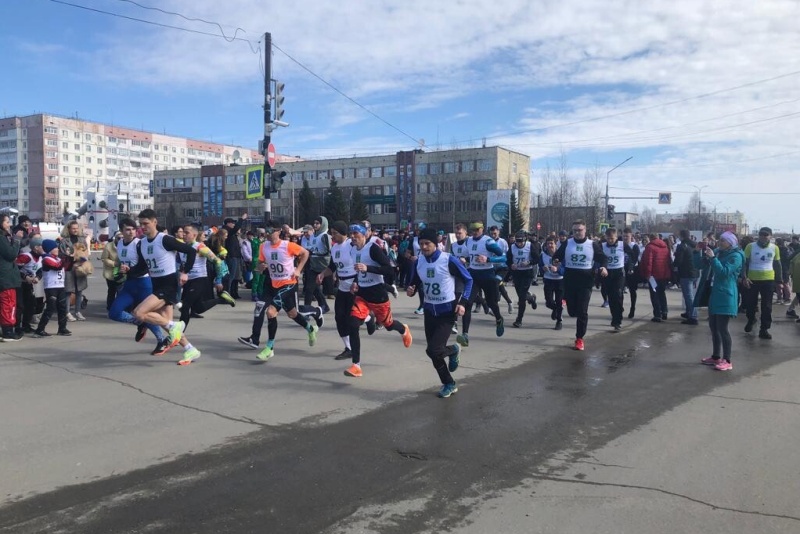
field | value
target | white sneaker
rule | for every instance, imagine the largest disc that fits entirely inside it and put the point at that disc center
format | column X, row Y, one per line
column 79, row 316
column 419, row 311
column 70, row 317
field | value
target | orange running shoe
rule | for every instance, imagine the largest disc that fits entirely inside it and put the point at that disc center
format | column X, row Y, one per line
column 407, row 337
column 579, row 344
column 354, row 371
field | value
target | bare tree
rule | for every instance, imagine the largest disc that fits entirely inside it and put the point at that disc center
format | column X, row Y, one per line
column 591, row 196
column 647, row 220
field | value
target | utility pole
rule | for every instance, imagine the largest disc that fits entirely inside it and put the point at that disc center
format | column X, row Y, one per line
column 267, row 124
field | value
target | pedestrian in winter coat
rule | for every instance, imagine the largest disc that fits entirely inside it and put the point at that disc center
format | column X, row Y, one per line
column 725, row 265
column 655, row 268
column 10, row 279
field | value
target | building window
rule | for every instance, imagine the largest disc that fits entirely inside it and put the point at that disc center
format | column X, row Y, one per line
column 65, row 145
column 450, row 167
column 432, row 188
column 422, row 188
column 377, row 190
column 390, row 171
column 52, row 166
column 390, row 189
column 349, row 174
column 514, row 167
column 51, row 130
column 309, row 175
column 322, row 175
column 422, row 169
column 422, row 207
column 376, row 172
column 52, row 142
column 484, row 165
column 337, row 174
column 390, row 208
column 64, row 168
column 363, row 172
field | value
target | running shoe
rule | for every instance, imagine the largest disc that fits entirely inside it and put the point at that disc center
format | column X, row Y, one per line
column 178, row 305
column 162, row 347
column 579, row 344
column 326, row 309
column 228, row 298
column 248, row 341
column 532, row 301
column 499, row 327
column 455, row 352
column 463, row 339
column 791, row 313
column 189, row 356
column 447, row 390
column 617, row 327
column 64, row 332
column 558, row 326
column 176, row 332
column 510, row 308
column 79, row 317
column 267, row 353
column 370, row 324
column 517, row 324
column 394, row 291
column 40, row 333
column 70, row 317
column 605, row 304
column 141, row 330
column 454, row 329
column 354, row 371
column 419, row 311
column 710, row 361
column 312, row 335
column 346, row 354
column 319, row 317
column 724, row 366
column 407, row 337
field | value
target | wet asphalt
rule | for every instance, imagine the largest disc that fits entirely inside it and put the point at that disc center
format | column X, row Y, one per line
column 499, row 429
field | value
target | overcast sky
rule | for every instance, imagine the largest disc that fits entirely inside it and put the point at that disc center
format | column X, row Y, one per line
column 705, row 95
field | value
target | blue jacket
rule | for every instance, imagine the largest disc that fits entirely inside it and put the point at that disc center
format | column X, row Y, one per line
column 727, row 268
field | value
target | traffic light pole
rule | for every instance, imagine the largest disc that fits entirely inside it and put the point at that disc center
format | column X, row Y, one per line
column 267, row 124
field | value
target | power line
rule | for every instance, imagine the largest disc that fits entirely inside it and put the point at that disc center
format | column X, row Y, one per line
column 234, row 38
column 768, row 193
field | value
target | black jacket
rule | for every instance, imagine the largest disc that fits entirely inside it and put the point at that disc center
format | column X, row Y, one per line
column 232, row 241
column 684, row 259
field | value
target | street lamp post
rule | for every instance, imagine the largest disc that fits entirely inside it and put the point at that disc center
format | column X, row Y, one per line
column 605, row 213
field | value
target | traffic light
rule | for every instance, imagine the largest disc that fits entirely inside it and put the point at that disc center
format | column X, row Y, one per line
column 276, row 180
column 610, row 214
column 279, row 98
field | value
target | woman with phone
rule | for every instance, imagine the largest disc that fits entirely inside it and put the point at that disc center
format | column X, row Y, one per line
column 725, row 266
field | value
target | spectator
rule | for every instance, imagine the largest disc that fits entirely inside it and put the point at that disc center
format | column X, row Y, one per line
column 74, row 283
column 22, row 231
column 656, row 269
column 109, row 259
column 234, row 258
column 247, row 258
column 723, row 267
column 10, row 279
column 687, row 275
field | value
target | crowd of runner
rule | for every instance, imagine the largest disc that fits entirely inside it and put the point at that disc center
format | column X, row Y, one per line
column 153, row 274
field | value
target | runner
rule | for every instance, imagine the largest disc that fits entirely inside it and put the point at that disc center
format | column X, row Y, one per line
column 412, row 254
column 435, row 274
column 194, row 291
column 156, row 256
column 370, row 263
column 578, row 256
column 522, row 257
column 459, row 250
column 553, row 280
column 614, row 284
column 343, row 265
column 134, row 290
column 501, row 269
column 277, row 257
column 631, row 268
column 483, row 251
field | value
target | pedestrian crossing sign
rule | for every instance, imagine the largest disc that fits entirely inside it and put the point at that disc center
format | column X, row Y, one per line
column 665, row 198
column 254, row 176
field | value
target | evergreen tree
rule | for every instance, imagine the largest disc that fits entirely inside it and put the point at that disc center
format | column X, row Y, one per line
column 518, row 219
column 336, row 208
column 358, row 208
column 308, row 204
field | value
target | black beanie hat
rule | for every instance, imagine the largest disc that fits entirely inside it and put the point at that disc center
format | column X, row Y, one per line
column 429, row 234
column 340, row 226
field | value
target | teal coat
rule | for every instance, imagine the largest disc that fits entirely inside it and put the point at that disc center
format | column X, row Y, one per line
column 9, row 273
column 727, row 267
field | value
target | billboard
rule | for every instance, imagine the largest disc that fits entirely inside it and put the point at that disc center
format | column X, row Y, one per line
column 498, row 207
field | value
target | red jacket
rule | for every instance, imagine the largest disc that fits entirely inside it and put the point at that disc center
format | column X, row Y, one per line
column 656, row 261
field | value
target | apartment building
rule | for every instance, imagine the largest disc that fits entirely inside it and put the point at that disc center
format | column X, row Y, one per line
column 440, row 188
column 47, row 162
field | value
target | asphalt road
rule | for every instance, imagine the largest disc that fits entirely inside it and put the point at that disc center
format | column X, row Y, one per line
column 632, row 435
